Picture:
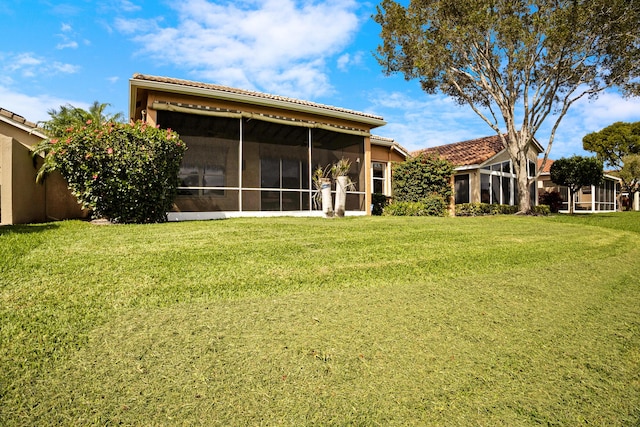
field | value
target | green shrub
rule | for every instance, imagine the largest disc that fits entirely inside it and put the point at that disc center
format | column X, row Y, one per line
column 553, row 199
column 541, row 210
column 418, row 177
column 479, row 209
column 126, row 173
column 432, row 205
column 378, row 202
column 472, row 209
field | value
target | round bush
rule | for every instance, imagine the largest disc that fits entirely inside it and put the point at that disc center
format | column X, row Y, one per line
column 127, row 173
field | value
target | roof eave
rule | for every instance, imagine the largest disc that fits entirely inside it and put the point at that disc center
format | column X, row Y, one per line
column 245, row 99
column 21, row 126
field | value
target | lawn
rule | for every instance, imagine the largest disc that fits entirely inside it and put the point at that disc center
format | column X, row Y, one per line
column 305, row 321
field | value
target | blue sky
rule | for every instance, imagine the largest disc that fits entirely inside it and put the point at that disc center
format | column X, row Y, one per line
column 80, row 51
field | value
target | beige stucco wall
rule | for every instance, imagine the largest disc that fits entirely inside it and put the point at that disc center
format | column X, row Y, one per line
column 22, row 200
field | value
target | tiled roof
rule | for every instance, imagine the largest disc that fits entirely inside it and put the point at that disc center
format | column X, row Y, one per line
column 547, row 166
column 472, row 152
column 17, row 119
column 214, row 87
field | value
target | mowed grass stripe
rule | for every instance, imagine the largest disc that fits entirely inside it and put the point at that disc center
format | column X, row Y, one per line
column 462, row 322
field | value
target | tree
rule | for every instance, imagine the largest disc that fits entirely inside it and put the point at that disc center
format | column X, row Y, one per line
column 616, row 145
column 630, row 174
column 516, row 63
column 576, row 172
column 69, row 116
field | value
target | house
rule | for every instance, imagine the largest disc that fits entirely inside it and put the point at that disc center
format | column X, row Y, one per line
column 593, row 198
column 21, row 199
column 483, row 170
column 253, row 154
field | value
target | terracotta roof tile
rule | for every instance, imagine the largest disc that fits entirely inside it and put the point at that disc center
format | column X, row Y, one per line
column 465, row 153
column 227, row 89
column 547, row 166
column 18, row 119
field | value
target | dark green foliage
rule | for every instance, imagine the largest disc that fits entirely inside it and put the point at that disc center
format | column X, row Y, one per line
column 541, row 210
column 127, row 173
column 552, row 199
column 419, row 177
column 576, row 172
column 433, row 205
column 479, row 209
column 379, row 201
column 614, row 142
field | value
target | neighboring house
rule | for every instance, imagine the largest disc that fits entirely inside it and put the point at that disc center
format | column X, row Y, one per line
column 253, row 154
column 21, row 199
column 483, row 170
column 384, row 153
column 593, row 198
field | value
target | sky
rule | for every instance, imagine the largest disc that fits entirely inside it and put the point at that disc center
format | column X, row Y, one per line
column 80, row 51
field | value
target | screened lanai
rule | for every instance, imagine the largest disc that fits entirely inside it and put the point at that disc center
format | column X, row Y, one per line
column 249, row 165
column 251, row 153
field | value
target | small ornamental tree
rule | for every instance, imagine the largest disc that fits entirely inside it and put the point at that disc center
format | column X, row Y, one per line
column 127, row 173
column 576, row 172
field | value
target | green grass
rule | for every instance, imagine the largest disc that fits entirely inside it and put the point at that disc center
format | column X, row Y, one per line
column 304, row 321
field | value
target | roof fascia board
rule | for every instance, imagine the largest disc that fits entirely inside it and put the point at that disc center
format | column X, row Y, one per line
column 247, row 99
column 23, row 127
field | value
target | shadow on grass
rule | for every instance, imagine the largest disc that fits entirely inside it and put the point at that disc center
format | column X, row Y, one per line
column 6, row 230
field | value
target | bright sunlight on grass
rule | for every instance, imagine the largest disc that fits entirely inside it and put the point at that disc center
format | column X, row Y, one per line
column 305, row 321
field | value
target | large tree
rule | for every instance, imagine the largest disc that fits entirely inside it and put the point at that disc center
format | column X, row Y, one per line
column 618, row 146
column 515, row 62
column 576, row 172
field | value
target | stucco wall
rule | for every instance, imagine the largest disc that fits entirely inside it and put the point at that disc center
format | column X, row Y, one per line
column 22, row 199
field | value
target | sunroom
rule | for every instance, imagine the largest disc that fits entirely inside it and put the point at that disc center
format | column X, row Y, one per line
column 254, row 154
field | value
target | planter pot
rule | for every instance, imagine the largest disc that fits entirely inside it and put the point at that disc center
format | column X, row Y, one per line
column 325, row 192
column 341, row 195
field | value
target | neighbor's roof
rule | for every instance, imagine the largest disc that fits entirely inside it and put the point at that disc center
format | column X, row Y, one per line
column 20, row 122
column 471, row 152
column 209, row 90
column 465, row 153
column 389, row 142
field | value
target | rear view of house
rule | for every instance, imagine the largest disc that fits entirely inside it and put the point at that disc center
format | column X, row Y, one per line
column 251, row 153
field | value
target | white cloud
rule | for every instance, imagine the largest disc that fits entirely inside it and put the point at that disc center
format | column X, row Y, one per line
column 280, row 46
column 67, row 45
column 113, row 79
column 28, row 65
column 418, row 120
column 347, row 59
column 33, row 108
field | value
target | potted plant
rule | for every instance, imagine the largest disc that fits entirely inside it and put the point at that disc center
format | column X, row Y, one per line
column 340, row 172
column 322, row 182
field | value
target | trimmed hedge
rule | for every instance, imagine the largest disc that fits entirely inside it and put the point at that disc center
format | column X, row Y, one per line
column 480, row 209
column 433, row 205
column 127, row 173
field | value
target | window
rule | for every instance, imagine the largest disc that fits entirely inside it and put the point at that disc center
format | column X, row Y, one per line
column 461, row 185
column 498, row 185
column 378, row 177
